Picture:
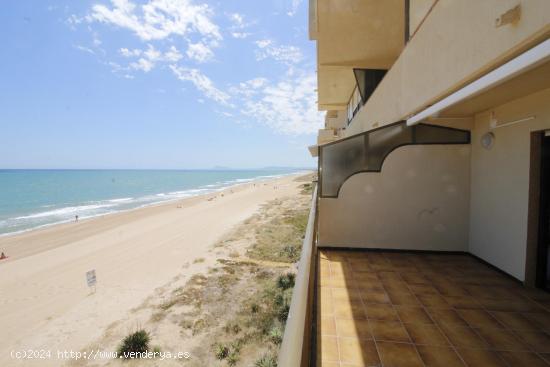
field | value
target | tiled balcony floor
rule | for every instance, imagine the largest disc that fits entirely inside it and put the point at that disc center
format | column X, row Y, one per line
column 400, row 309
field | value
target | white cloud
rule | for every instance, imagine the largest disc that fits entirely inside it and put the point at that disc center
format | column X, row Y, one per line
column 263, row 43
column 152, row 53
column 143, row 65
column 158, row 19
column 85, row 49
column 202, row 83
column 294, row 8
column 285, row 54
column 238, row 25
column 288, row 106
column 240, row 34
column 73, row 21
column 237, row 20
column 129, row 53
column 199, row 52
column 154, row 20
column 149, row 58
column 256, row 83
column 172, row 55
column 96, row 41
column 248, row 88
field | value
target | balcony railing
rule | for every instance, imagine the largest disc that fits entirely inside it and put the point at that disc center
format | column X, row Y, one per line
column 296, row 346
column 354, row 104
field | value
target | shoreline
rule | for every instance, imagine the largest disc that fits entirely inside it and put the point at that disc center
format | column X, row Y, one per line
column 46, row 303
column 154, row 203
column 15, row 245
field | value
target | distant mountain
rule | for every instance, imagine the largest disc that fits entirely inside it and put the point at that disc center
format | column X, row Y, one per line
column 285, row 168
column 268, row 168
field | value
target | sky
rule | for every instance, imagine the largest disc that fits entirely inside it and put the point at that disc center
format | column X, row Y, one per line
column 165, row 84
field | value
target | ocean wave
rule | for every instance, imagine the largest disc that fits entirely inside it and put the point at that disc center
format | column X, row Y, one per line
column 97, row 208
column 64, row 211
column 122, row 200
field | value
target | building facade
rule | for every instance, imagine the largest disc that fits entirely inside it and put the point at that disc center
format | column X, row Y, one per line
column 482, row 68
column 433, row 193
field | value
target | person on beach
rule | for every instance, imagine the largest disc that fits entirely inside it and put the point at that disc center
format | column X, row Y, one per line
column 3, row 256
column 76, row 218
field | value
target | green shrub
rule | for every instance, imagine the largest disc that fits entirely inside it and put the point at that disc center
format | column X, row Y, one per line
column 234, row 328
column 264, row 321
column 290, row 251
column 254, row 308
column 221, row 351
column 266, row 361
column 279, row 299
column 137, row 342
column 282, row 312
column 233, row 358
column 276, row 335
column 236, row 346
column 286, row 281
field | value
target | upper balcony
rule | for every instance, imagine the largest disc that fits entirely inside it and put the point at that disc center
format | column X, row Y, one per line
column 368, row 34
column 453, row 46
column 327, row 135
column 335, row 120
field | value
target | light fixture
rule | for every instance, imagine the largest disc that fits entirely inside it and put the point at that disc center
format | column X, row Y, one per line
column 488, row 140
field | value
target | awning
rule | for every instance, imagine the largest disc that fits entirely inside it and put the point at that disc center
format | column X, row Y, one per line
column 528, row 60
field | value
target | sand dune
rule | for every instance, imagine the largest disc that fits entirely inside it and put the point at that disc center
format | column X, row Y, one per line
column 45, row 302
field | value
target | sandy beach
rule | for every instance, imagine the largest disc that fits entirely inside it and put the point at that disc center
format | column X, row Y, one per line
column 45, row 303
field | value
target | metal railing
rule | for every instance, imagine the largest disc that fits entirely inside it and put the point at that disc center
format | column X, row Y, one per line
column 354, row 104
column 296, row 346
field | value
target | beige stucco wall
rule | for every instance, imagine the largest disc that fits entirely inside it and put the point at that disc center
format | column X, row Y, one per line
column 500, row 183
column 448, row 52
column 418, row 11
column 419, row 201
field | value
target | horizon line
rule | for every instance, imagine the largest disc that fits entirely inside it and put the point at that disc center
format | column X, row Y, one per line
column 157, row 169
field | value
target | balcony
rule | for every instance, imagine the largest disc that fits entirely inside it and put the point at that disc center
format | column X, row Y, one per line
column 335, row 120
column 376, row 308
column 417, row 309
column 327, row 135
column 341, row 29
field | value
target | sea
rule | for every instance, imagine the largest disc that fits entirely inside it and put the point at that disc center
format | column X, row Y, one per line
column 32, row 199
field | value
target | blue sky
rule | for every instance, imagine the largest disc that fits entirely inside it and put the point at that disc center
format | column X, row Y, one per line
column 156, row 84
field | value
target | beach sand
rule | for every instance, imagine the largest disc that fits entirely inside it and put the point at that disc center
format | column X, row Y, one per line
column 45, row 303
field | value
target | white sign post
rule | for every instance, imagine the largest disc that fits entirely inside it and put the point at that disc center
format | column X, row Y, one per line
column 91, row 279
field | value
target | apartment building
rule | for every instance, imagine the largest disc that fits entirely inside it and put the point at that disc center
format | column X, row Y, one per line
column 433, row 196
